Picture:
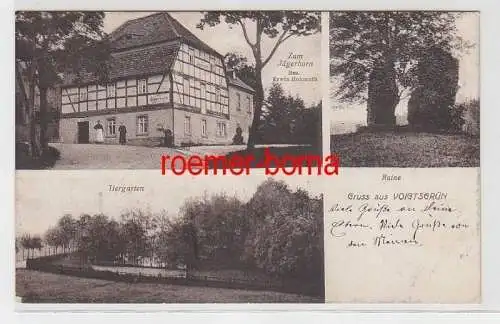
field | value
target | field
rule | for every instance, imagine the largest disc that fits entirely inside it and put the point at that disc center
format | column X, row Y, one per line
column 40, row 287
column 405, row 149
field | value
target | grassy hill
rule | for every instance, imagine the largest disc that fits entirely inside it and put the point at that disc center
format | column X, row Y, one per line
column 405, row 149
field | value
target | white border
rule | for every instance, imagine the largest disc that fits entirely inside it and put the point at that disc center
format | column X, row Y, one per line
column 490, row 159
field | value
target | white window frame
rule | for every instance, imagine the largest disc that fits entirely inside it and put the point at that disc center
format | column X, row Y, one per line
column 111, row 122
column 142, row 124
column 204, row 128
column 221, row 129
column 185, row 91
column 203, row 91
column 142, row 86
column 217, row 95
column 83, row 94
column 187, row 125
column 111, row 90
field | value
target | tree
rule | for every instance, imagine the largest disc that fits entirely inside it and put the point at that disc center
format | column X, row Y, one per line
column 210, row 232
column 53, row 238
column 67, row 231
column 286, row 237
column 159, row 240
column 280, row 115
column 243, row 69
column 25, row 241
column 220, row 228
column 36, row 243
column 308, row 120
column 50, row 43
column 99, row 238
column 63, row 234
column 177, row 245
column 30, row 243
column 285, row 119
column 275, row 25
column 374, row 54
column 135, row 226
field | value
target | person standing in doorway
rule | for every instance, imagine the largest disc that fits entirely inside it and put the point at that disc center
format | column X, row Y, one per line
column 99, row 133
column 123, row 134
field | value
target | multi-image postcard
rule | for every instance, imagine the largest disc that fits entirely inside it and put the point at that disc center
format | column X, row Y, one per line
column 247, row 157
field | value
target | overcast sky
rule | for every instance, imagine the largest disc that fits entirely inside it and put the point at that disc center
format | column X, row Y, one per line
column 43, row 197
column 345, row 116
column 224, row 39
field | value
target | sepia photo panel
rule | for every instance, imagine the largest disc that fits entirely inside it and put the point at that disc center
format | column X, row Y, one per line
column 404, row 88
column 132, row 237
column 116, row 90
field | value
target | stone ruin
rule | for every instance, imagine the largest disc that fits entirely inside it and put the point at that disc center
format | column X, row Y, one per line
column 382, row 97
column 430, row 104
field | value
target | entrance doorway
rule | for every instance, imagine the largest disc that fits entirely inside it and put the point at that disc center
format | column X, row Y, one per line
column 83, row 132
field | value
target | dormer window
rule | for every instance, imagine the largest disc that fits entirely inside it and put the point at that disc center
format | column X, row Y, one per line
column 127, row 37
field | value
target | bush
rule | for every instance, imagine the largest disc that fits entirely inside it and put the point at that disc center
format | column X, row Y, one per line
column 465, row 117
column 471, row 117
column 457, row 117
column 24, row 160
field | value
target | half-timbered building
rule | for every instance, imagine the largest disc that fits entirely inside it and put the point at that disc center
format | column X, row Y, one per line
column 160, row 77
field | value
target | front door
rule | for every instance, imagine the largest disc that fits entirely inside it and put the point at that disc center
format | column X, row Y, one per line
column 83, row 132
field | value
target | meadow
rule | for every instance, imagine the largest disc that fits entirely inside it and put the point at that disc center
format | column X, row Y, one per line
column 405, row 149
column 39, row 287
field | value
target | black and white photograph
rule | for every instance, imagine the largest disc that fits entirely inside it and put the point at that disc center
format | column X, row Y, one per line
column 404, row 88
column 116, row 90
column 110, row 238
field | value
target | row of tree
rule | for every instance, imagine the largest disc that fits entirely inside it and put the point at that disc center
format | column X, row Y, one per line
column 30, row 243
column 278, row 231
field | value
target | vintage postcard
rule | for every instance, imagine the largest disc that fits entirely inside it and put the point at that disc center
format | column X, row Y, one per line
column 116, row 90
column 126, row 118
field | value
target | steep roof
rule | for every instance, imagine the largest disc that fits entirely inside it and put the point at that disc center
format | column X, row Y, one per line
column 155, row 28
column 143, row 46
column 157, row 58
column 235, row 81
